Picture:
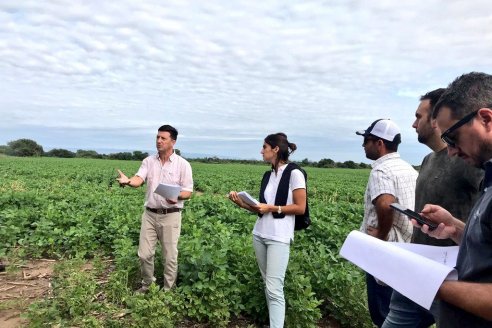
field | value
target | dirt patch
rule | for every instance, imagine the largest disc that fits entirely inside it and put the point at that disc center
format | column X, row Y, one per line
column 23, row 284
column 20, row 286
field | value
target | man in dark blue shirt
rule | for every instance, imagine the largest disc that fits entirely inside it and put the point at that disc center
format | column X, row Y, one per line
column 464, row 114
column 445, row 181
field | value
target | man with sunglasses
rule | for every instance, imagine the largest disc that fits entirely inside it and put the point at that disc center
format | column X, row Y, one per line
column 391, row 180
column 464, row 113
column 445, row 181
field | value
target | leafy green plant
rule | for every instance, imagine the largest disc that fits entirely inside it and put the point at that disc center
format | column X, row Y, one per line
column 71, row 209
column 157, row 308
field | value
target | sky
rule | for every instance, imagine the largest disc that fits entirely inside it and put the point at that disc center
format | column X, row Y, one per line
column 104, row 75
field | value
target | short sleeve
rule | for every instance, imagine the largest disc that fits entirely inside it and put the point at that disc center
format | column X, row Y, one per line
column 186, row 177
column 380, row 182
column 144, row 169
column 297, row 180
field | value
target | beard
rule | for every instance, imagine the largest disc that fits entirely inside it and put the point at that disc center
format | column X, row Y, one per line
column 424, row 136
column 485, row 147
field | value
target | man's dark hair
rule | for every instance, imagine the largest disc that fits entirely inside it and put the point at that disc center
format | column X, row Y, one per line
column 172, row 131
column 392, row 146
column 466, row 94
column 433, row 96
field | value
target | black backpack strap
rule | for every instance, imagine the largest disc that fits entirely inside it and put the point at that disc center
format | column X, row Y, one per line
column 264, row 182
column 283, row 189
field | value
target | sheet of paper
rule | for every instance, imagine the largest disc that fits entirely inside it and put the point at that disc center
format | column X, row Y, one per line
column 445, row 255
column 245, row 197
column 168, row 191
column 403, row 267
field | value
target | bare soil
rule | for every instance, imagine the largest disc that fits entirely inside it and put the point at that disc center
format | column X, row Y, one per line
column 31, row 281
column 20, row 286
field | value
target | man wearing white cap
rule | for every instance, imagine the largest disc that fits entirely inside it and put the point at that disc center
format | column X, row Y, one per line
column 392, row 180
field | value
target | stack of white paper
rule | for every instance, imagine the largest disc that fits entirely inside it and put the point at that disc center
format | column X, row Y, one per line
column 245, row 197
column 416, row 271
column 168, row 191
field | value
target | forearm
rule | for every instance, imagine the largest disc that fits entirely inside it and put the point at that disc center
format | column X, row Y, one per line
column 475, row 298
column 385, row 215
column 293, row 209
column 460, row 228
column 135, row 181
column 385, row 222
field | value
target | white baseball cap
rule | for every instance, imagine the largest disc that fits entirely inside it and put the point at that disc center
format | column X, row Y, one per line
column 384, row 129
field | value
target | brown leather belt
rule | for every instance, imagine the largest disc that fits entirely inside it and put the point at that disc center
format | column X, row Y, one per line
column 163, row 210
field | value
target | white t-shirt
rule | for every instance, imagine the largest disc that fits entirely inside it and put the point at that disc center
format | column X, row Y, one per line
column 281, row 229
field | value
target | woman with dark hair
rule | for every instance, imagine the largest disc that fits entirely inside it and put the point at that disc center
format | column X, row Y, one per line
column 280, row 201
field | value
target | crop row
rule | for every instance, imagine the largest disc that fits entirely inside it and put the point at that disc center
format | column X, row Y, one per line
column 73, row 210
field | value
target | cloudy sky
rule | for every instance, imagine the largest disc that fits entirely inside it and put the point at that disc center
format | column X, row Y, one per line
column 104, row 75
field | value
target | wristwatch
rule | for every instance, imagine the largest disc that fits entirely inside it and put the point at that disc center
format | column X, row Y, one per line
column 279, row 210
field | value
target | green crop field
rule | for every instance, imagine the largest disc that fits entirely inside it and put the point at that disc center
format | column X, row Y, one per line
column 74, row 211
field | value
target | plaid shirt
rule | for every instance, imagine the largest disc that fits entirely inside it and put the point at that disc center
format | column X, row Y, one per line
column 391, row 175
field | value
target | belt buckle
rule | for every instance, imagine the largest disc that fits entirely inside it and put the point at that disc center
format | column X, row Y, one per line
column 161, row 211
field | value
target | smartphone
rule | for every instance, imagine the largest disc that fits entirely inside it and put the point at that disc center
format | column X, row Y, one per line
column 414, row 215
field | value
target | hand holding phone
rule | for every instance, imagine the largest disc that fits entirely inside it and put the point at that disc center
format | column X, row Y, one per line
column 414, row 215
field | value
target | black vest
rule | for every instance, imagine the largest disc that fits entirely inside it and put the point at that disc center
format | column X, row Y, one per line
column 283, row 188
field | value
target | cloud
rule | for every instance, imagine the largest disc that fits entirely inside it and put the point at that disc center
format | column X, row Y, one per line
column 223, row 72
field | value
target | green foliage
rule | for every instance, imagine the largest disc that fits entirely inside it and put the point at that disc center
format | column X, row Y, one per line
column 24, row 148
column 72, row 209
column 87, row 154
column 3, row 149
column 156, row 309
column 59, row 152
column 74, row 290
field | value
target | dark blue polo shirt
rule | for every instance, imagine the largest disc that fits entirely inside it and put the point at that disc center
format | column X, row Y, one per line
column 474, row 262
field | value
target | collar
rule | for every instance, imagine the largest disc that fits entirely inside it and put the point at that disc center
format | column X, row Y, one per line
column 280, row 169
column 171, row 158
column 384, row 158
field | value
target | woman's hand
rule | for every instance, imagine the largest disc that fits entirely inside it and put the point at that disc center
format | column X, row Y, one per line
column 264, row 208
column 235, row 198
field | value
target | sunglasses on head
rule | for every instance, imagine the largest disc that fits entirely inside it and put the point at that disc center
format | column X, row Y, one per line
column 449, row 140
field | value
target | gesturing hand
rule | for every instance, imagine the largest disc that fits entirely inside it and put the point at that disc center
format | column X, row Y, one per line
column 122, row 179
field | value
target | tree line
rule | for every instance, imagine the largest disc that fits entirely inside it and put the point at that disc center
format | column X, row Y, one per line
column 30, row 148
column 324, row 163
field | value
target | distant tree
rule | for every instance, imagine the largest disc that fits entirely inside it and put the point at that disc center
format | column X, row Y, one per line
column 349, row 165
column 24, row 148
column 214, row 160
column 59, row 152
column 3, row 149
column 364, row 165
column 326, row 162
column 139, row 156
column 305, row 162
column 177, row 151
column 126, row 156
column 87, row 154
